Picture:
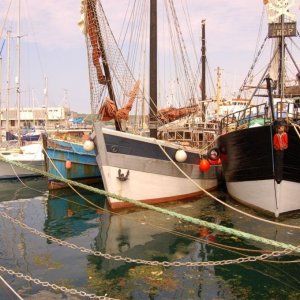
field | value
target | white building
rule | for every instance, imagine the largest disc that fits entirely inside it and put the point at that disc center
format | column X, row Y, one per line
column 50, row 117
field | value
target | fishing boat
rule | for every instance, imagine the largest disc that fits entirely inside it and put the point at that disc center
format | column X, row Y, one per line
column 30, row 155
column 182, row 125
column 142, row 168
column 69, row 155
column 260, row 145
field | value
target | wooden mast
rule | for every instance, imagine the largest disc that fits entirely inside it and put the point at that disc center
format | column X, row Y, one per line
column 203, row 82
column 7, row 127
column 91, row 7
column 153, row 69
column 18, row 90
column 218, row 95
column 281, row 61
column 1, row 48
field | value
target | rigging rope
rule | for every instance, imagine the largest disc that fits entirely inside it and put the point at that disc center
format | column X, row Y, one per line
column 252, row 67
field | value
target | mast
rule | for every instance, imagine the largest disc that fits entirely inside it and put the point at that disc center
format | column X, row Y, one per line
column 153, row 69
column 203, row 82
column 7, row 81
column 270, row 96
column 108, row 78
column 93, row 21
column 282, row 23
column 18, row 91
column 218, row 95
column 143, row 99
column 281, row 61
column 33, row 106
column 46, row 102
column 1, row 86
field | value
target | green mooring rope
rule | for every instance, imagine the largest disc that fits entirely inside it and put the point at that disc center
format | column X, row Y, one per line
column 195, row 221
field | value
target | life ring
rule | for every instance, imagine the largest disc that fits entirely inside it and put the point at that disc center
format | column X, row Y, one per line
column 213, row 154
column 115, row 149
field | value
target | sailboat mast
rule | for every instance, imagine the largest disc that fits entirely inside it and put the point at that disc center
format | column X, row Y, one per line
column 218, row 95
column 281, row 60
column 7, row 81
column 108, row 78
column 153, row 69
column 0, row 94
column 282, row 24
column 1, row 87
column 46, row 102
column 18, row 76
column 203, row 82
column 93, row 22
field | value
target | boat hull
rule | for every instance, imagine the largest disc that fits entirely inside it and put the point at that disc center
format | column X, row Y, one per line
column 248, row 162
column 9, row 171
column 30, row 155
column 83, row 166
column 136, row 168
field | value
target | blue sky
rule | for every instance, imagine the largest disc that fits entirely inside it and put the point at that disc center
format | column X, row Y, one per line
column 53, row 46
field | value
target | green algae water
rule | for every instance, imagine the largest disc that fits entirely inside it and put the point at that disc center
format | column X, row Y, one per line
column 79, row 218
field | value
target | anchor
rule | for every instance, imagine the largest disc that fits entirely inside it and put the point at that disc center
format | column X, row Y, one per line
column 122, row 177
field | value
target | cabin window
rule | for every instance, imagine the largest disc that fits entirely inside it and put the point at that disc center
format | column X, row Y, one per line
column 165, row 136
column 187, row 136
column 172, row 135
column 198, row 136
column 179, row 135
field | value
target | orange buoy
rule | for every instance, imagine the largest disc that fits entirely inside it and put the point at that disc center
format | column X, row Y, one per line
column 69, row 213
column 68, row 164
column 203, row 232
column 204, row 165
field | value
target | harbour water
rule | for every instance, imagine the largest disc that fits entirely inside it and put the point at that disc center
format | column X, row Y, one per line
column 81, row 218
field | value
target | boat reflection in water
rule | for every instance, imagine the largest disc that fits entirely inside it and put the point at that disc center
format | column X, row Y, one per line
column 148, row 235
column 140, row 234
column 69, row 213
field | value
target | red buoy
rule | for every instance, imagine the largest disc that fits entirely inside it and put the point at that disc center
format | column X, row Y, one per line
column 68, row 164
column 204, row 165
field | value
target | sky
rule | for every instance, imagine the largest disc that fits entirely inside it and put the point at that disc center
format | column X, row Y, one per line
column 53, row 47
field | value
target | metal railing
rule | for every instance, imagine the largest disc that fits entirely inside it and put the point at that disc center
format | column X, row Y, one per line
column 258, row 115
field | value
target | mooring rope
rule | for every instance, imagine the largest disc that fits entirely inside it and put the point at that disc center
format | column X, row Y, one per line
column 222, row 202
column 175, row 232
column 200, row 222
